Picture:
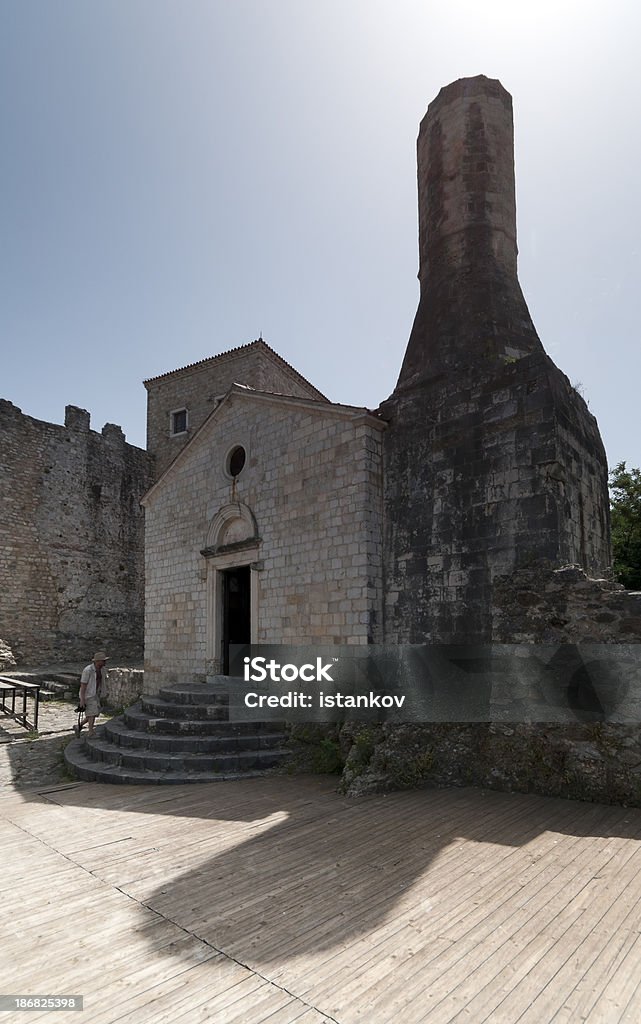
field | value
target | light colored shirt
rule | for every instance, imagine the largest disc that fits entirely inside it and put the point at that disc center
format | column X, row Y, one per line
column 89, row 677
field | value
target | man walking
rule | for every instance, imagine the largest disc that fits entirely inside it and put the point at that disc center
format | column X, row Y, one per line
column 91, row 682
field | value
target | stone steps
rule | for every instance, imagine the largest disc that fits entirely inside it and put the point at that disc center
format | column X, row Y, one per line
column 86, row 769
column 185, row 693
column 56, row 691
column 136, row 718
column 159, row 707
column 118, row 733
column 179, row 735
column 100, row 748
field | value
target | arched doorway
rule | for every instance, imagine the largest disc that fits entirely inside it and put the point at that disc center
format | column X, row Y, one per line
column 232, row 554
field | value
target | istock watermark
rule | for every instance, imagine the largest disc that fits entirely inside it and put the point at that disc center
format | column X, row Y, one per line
column 511, row 683
column 258, row 669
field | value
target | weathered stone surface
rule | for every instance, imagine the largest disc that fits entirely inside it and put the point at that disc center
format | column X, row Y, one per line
column 471, row 309
column 592, row 761
column 587, row 762
column 71, row 538
column 132, row 749
column 7, row 659
column 124, row 686
column 495, row 479
column 564, row 606
column 30, row 760
column 492, row 460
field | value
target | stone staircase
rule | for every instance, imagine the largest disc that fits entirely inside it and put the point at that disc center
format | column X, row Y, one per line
column 182, row 734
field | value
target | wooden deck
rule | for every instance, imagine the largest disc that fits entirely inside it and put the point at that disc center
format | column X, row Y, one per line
column 275, row 901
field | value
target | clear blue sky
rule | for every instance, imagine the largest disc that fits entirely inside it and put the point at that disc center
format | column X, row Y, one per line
column 177, row 177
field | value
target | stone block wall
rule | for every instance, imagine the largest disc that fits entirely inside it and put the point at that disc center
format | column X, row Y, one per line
column 124, row 686
column 486, row 471
column 71, row 538
column 313, row 483
column 492, row 460
column 565, row 606
column 322, row 570
column 198, row 387
column 7, row 659
column 596, row 760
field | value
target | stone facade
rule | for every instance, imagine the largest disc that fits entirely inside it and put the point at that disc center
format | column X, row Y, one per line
column 509, row 472
column 492, row 460
column 304, row 514
column 71, row 538
column 199, row 387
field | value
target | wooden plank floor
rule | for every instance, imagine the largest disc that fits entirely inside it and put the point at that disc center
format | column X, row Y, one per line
column 273, row 901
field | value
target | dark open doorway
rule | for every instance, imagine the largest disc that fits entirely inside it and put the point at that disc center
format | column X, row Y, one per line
column 236, row 610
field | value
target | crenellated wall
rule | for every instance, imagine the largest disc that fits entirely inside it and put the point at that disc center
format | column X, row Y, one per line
column 71, row 538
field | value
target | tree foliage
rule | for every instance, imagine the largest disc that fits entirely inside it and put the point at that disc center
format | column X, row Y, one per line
column 625, row 512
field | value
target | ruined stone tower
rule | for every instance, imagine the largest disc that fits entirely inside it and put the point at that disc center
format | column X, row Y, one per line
column 492, row 459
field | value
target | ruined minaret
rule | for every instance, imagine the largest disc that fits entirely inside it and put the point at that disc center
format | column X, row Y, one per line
column 471, row 307
column 492, row 460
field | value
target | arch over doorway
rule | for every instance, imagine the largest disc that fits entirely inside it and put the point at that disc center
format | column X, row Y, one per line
column 232, row 554
column 234, row 523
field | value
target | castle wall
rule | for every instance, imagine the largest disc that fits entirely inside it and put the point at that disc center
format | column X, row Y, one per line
column 71, row 538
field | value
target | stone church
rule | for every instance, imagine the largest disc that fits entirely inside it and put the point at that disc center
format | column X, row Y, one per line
column 278, row 516
column 266, row 525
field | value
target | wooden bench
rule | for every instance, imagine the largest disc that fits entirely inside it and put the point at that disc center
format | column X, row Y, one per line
column 12, row 687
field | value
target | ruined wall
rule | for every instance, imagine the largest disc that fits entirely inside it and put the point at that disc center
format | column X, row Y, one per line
column 495, row 479
column 124, row 686
column 491, row 460
column 564, row 606
column 598, row 759
column 198, row 387
column 599, row 762
column 71, row 538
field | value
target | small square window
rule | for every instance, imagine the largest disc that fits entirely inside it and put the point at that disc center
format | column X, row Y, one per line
column 178, row 421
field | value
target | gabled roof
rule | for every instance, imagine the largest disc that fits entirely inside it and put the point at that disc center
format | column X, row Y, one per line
column 258, row 345
column 355, row 412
